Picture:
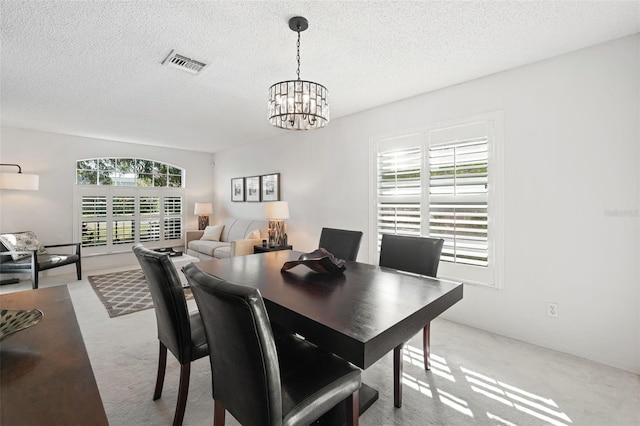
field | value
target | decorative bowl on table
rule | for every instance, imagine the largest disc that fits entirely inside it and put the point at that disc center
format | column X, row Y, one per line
column 14, row 320
column 319, row 260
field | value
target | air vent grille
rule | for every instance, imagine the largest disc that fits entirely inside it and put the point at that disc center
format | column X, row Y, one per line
column 183, row 63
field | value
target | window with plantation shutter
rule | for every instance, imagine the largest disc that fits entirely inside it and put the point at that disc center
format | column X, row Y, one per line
column 399, row 191
column 118, row 205
column 458, row 202
column 443, row 181
column 93, row 212
column 172, row 218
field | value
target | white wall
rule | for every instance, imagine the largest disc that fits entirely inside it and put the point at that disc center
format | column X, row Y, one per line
column 571, row 194
column 49, row 211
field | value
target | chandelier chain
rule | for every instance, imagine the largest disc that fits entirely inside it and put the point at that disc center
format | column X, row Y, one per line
column 298, row 55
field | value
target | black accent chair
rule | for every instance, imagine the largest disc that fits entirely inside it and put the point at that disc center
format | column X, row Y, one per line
column 179, row 330
column 261, row 380
column 418, row 255
column 35, row 262
column 341, row 243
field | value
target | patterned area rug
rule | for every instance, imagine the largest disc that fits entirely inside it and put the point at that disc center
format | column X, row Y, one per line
column 124, row 292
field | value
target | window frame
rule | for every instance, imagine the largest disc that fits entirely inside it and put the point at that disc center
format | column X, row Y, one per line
column 114, row 191
column 492, row 276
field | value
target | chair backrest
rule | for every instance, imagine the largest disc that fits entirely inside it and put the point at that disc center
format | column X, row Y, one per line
column 420, row 255
column 342, row 243
column 172, row 315
column 244, row 362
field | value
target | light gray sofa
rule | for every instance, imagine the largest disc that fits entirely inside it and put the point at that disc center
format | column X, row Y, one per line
column 233, row 239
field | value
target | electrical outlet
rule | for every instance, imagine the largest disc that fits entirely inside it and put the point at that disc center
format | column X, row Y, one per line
column 552, row 309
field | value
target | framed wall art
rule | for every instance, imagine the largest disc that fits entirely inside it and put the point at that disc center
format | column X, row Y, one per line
column 253, row 188
column 271, row 187
column 237, row 189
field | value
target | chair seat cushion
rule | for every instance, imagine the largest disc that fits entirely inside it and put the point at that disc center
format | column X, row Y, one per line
column 313, row 380
column 207, row 247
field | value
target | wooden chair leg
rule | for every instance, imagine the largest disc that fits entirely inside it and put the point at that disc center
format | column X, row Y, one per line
column 79, row 270
column 218, row 414
column 353, row 409
column 426, row 346
column 162, row 365
column 183, row 392
column 397, row 375
column 34, row 279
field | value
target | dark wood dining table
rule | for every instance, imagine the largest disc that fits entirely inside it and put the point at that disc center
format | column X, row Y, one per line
column 45, row 372
column 360, row 314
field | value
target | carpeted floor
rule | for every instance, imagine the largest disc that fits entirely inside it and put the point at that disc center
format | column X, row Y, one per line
column 477, row 379
column 124, row 292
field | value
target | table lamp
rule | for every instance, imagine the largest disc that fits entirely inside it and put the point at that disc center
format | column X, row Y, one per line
column 276, row 212
column 203, row 210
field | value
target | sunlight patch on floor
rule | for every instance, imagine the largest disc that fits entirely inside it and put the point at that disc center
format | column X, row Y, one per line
column 500, row 419
column 527, row 402
column 542, row 408
column 416, row 385
column 439, row 365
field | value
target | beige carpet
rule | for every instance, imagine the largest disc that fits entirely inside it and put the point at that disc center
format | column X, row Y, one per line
column 124, row 292
column 477, row 379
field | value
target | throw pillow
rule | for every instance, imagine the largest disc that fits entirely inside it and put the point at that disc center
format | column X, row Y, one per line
column 254, row 235
column 22, row 241
column 212, row 233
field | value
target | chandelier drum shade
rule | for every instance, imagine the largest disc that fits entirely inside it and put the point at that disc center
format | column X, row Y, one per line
column 298, row 104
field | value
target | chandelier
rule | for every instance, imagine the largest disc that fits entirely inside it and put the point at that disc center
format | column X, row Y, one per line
column 298, row 104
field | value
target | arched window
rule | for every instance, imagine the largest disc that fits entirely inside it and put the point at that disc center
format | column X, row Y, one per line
column 123, row 201
column 128, row 172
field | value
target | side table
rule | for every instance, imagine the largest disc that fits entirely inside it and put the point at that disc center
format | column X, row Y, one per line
column 267, row 249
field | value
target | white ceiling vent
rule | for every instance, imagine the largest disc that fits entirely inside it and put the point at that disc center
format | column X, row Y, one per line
column 182, row 62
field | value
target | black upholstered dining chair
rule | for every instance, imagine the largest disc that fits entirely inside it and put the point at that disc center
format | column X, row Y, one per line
column 418, row 255
column 179, row 330
column 261, row 380
column 342, row 243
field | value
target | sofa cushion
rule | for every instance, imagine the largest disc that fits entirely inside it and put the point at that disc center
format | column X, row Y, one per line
column 21, row 241
column 207, row 247
column 254, row 235
column 223, row 252
column 212, row 233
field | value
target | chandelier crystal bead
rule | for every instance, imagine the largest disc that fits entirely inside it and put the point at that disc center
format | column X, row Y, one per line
column 298, row 104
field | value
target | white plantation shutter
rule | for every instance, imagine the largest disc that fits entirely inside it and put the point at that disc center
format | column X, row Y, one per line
column 443, row 181
column 112, row 219
column 123, row 228
column 458, row 202
column 149, row 218
column 398, row 189
column 172, row 218
column 93, row 212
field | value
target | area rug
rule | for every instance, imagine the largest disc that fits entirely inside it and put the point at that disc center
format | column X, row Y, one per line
column 124, row 292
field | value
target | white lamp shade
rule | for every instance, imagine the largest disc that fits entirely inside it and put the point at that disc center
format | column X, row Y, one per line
column 277, row 210
column 203, row 209
column 20, row 181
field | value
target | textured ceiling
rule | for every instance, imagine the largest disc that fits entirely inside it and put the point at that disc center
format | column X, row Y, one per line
column 93, row 68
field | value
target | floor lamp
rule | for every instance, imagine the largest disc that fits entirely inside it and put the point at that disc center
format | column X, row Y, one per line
column 21, row 182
